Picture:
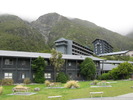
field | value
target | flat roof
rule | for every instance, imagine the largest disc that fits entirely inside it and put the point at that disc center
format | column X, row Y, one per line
column 116, row 62
column 113, row 53
column 108, row 67
column 5, row 53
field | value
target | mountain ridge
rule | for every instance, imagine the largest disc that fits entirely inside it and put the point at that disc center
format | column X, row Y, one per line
column 83, row 32
column 40, row 34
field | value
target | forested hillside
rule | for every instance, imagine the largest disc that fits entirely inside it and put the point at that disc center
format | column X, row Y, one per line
column 54, row 26
column 39, row 35
column 16, row 34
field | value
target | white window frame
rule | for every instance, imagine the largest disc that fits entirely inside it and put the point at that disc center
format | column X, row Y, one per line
column 8, row 62
column 47, row 75
column 8, row 75
column 69, row 64
column 23, row 76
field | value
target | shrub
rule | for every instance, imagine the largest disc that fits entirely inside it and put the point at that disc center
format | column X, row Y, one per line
column 19, row 86
column 47, row 83
column 72, row 84
column 103, row 83
column 7, row 81
column 1, row 90
column 26, row 81
column 88, row 69
column 94, row 82
column 105, row 76
column 38, row 65
column 62, row 77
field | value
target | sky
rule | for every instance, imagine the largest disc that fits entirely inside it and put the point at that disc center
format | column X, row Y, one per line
column 115, row 15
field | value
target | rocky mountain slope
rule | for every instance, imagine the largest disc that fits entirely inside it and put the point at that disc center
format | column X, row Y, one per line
column 39, row 35
column 53, row 26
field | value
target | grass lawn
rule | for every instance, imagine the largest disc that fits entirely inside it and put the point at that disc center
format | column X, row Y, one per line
column 119, row 88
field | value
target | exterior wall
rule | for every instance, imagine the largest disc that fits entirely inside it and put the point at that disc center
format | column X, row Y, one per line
column 71, row 47
column 62, row 47
column 101, row 46
column 21, row 69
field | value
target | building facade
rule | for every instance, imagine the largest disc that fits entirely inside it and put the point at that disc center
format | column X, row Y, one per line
column 73, row 48
column 18, row 65
column 108, row 65
column 101, row 47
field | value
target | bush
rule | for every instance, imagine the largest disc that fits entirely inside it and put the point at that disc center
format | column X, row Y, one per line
column 39, row 78
column 1, row 90
column 38, row 65
column 72, row 84
column 7, row 81
column 103, row 83
column 105, row 76
column 26, row 81
column 88, row 69
column 94, row 82
column 47, row 83
column 62, row 77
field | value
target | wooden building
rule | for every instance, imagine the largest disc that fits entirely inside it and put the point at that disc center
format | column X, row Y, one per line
column 17, row 65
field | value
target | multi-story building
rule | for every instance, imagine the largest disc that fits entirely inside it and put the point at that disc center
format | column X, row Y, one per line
column 101, row 47
column 73, row 48
column 18, row 65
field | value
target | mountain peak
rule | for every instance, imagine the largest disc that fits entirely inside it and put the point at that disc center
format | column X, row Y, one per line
column 7, row 17
column 50, row 18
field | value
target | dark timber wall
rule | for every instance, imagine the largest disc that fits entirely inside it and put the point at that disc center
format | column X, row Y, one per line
column 21, row 68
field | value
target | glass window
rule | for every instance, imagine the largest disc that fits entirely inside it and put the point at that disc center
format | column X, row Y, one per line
column 78, row 74
column 47, row 75
column 8, row 62
column 8, row 75
column 23, row 76
column 69, row 64
column 23, row 62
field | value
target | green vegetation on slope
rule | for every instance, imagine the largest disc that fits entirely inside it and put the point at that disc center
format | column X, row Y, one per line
column 85, row 35
column 16, row 34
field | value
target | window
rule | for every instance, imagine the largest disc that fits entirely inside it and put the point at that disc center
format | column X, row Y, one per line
column 8, row 75
column 23, row 76
column 69, row 64
column 46, row 62
column 78, row 74
column 47, row 75
column 23, row 63
column 70, row 75
column 8, row 62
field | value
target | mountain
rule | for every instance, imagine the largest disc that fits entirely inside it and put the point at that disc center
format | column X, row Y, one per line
column 16, row 34
column 54, row 26
column 39, row 35
column 130, row 35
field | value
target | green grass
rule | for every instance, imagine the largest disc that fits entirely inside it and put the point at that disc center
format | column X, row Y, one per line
column 119, row 88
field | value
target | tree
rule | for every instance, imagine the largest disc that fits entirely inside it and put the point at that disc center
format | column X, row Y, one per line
column 62, row 77
column 57, row 61
column 38, row 66
column 123, row 71
column 88, row 68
